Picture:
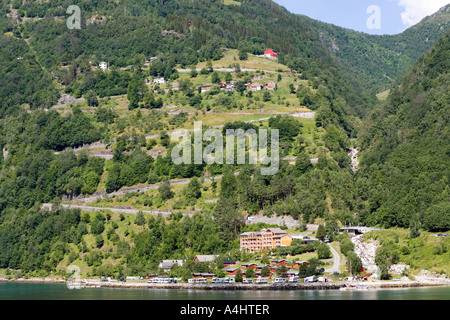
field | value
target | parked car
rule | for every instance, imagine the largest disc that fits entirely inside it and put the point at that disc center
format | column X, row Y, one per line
column 229, row 280
column 293, row 279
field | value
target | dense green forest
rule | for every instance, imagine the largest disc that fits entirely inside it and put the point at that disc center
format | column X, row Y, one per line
column 403, row 176
column 22, row 80
column 405, row 142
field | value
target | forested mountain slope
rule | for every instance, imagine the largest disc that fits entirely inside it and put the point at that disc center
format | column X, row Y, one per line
column 406, row 147
column 180, row 33
column 22, row 79
column 36, row 168
column 350, row 64
column 377, row 60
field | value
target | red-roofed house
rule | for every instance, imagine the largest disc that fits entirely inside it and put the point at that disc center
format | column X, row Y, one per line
column 230, row 271
column 279, row 262
column 270, row 53
column 248, row 265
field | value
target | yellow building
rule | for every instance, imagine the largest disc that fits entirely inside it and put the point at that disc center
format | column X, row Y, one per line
column 254, row 241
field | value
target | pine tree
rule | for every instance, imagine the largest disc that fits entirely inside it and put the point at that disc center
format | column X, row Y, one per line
column 320, row 233
column 238, row 277
column 165, row 190
column 140, row 219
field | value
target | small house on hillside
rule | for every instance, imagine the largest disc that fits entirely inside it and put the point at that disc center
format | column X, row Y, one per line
column 270, row 53
column 199, row 275
column 258, row 274
column 279, row 262
column 205, row 88
column 230, row 271
column 260, row 266
column 248, row 265
column 103, row 65
column 270, row 85
column 228, row 262
column 159, row 80
column 255, row 86
column 149, row 61
column 298, row 264
column 167, row 264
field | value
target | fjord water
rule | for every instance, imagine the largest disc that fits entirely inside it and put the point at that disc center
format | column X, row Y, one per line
column 44, row 291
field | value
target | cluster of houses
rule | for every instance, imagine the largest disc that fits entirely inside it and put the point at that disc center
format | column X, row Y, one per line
column 269, row 53
column 103, row 65
column 256, row 86
column 252, row 86
column 159, row 80
column 275, row 265
column 224, row 85
column 231, row 267
column 252, row 241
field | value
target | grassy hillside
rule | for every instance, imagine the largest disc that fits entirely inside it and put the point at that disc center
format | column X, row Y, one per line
column 426, row 252
column 174, row 40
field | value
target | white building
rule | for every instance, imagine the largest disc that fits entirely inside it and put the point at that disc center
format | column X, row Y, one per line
column 255, row 86
column 159, row 80
column 167, row 264
column 103, row 65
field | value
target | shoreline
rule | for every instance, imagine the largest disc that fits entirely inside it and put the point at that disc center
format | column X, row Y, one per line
column 91, row 283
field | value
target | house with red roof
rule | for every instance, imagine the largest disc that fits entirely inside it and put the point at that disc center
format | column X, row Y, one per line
column 270, row 53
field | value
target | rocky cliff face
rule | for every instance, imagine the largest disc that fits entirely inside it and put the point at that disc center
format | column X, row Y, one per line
column 366, row 252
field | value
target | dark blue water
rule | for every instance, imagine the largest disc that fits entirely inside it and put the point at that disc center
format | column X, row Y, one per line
column 40, row 291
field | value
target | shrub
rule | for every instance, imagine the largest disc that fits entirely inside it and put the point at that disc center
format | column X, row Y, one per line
column 323, row 251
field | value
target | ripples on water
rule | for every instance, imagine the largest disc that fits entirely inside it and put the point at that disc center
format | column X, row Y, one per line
column 40, row 291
